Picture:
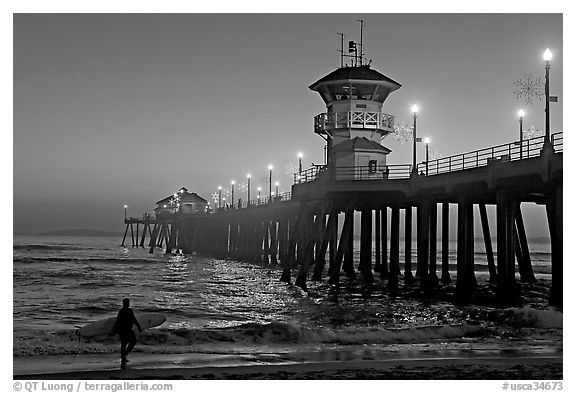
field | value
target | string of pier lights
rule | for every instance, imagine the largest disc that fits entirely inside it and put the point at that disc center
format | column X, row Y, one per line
column 220, row 200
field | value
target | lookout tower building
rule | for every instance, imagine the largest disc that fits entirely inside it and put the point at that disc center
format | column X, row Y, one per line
column 354, row 124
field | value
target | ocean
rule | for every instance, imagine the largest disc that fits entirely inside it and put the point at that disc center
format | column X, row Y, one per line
column 228, row 307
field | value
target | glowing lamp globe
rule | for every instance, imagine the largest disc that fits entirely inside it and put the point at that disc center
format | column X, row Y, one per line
column 521, row 113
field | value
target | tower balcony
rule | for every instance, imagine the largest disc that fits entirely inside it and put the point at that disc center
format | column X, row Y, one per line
column 353, row 119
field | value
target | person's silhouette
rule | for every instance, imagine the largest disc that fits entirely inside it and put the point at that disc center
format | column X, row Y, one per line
column 123, row 327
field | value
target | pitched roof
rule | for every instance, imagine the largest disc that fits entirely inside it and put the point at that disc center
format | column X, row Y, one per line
column 363, row 72
column 192, row 197
column 359, row 143
column 185, row 196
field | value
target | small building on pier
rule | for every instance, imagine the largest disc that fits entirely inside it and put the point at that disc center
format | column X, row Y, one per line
column 365, row 156
column 183, row 202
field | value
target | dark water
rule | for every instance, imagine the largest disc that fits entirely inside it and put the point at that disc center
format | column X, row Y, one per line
column 226, row 306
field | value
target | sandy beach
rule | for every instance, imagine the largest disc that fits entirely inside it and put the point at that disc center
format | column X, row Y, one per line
column 201, row 366
column 445, row 369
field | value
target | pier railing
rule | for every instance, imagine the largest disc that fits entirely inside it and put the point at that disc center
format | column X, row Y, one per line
column 367, row 172
column 264, row 200
column 514, row 151
column 558, row 142
column 508, row 152
column 359, row 172
column 310, row 174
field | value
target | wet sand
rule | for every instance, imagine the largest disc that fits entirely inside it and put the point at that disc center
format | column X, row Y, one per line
column 199, row 366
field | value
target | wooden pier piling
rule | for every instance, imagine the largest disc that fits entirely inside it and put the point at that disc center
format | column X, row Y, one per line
column 423, row 242
column 488, row 243
column 446, row 279
column 377, row 241
column 506, row 290
column 365, row 266
column 465, row 279
column 384, row 241
column 348, row 265
column 394, row 249
column 554, row 209
column 524, row 262
column 433, row 229
column 408, row 277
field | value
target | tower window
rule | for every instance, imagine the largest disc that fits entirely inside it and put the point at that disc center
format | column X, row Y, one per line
column 372, row 166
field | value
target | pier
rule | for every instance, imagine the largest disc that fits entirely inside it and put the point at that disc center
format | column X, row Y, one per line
column 309, row 232
column 300, row 230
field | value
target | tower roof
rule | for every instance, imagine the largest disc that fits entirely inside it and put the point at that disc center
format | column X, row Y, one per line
column 363, row 72
column 360, row 143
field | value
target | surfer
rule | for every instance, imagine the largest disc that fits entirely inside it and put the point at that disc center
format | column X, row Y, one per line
column 123, row 327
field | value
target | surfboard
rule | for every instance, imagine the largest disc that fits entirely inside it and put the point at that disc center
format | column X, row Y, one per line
column 104, row 327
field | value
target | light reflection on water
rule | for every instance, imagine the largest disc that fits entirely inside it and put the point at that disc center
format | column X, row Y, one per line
column 201, row 293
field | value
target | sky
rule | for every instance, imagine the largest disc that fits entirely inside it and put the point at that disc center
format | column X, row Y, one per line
column 115, row 109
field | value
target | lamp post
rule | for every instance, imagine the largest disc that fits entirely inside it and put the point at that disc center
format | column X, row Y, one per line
column 427, row 142
column 259, row 189
column 125, row 207
column 547, row 56
column 219, row 197
column 248, row 176
column 232, row 202
column 270, row 167
column 300, row 155
column 521, row 114
column 415, row 113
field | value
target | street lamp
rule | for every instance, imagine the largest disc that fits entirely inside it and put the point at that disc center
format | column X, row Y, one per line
column 219, row 197
column 547, row 56
column 248, row 176
column 427, row 142
column 270, row 167
column 259, row 189
column 300, row 155
column 415, row 113
column 125, row 207
column 232, row 203
column 521, row 114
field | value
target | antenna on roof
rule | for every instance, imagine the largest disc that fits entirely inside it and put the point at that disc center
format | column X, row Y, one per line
column 361, row 40
column 353, row 48
column 341, row 49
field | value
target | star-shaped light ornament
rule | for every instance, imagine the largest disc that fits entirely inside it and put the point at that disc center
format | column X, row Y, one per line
column 528, row 89
column 402, row 132
column 532, row 132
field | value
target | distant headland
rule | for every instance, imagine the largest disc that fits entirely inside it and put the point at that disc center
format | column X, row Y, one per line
column 79, row 232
